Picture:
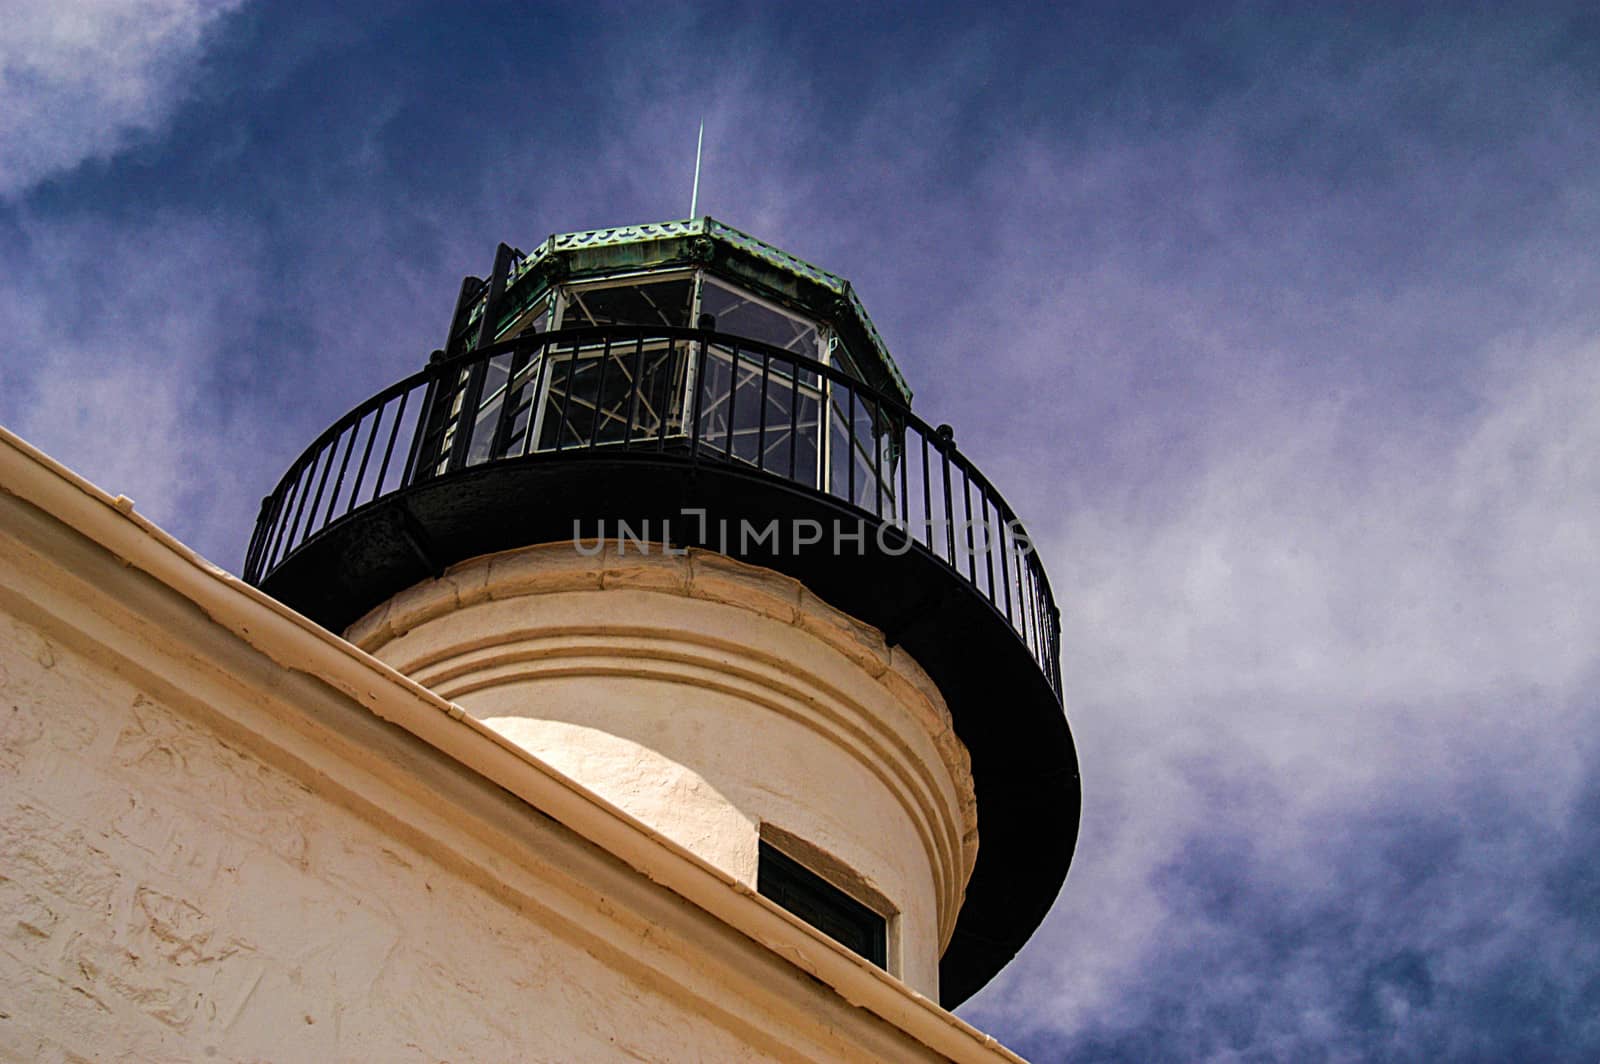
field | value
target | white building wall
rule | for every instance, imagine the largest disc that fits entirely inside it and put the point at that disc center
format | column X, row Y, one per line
column 167, row 896
column 228, row 834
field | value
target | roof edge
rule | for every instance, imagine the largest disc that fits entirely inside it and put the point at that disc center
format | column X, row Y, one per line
column 295, row 642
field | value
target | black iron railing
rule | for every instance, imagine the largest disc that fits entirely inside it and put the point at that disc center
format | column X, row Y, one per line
column 698, row 395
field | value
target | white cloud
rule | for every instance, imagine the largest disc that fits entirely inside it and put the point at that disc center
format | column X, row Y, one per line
column 1342, row 551
column 1310, row 629
column 82, row 78
column 125, row 349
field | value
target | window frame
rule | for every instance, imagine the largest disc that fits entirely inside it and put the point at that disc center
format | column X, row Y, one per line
column 795, row 886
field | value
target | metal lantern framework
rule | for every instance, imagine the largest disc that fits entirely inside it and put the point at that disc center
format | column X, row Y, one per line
column 666, row 276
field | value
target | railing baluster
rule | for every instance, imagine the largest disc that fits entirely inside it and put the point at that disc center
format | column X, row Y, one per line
column 309, row 472
column 761, row 410
column 388, row 451
column 666, row 401
column 695, row 399
column 534, row 390
column 566, row 394
column 1053, row 664
column 903, row 501
column 410, row 473
column 1024, row 581
column 877, row 463
column 282, row 522
column 949, row 508
column 850, row 447
column 794, row 420
column 1025, row 604
column 1038, row 618
column 1024, row 574
column 316, row 502
column 633, row 397
column 598, row 424
column 471, row 388
column 1005, row 560
column 966, row 506
column 1044, row 625
column 825, row 411
column 366, row 457
column 251, row 561
column 338, row 482
column 927, row 497
column 536, row 402
column 507, row 413
column 269, row 529
column 988, row 539
column 733, row 395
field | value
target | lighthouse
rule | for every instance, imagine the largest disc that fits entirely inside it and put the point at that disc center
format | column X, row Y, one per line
column 659, row 512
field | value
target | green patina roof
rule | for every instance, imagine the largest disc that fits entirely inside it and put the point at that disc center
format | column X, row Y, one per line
column 694, row 241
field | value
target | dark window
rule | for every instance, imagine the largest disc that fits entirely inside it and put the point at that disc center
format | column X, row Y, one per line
column 822, row 905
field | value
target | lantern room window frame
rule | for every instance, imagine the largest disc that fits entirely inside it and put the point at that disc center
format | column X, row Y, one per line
column 829, row 460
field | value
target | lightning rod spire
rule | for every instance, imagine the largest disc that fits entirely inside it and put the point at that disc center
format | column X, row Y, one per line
column 694, row 198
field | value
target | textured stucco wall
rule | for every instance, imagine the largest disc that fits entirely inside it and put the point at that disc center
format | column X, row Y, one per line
column 166, row 896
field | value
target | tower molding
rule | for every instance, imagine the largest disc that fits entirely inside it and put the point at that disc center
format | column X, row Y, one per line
column 617, row 668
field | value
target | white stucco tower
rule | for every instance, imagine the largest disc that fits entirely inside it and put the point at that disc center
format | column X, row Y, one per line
column 659, row 513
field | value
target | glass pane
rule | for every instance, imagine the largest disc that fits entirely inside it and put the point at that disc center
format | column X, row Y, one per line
column 838, row 454
column 483, row 430
column 745, row 411
column 808, row 463
column 604, row 393
column 866, row 441
column 715, row 388
column 613, row 394
column 738, row 313
column 449, row 402
column 487, row 418
column 570, row 416
column 860, row 447
column 647, row 303
column 658, row 410
column 790, row 413
column 536, row 319
column 520, row 394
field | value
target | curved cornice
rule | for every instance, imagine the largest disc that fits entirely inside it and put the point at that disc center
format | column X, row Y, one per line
column 877, row 723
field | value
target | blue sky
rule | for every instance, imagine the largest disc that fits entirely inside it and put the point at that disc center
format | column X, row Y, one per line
column 1277, row 324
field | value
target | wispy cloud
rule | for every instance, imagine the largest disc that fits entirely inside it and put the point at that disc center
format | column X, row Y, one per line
column 128, row 356
column 1325, row 531
column 83, row 79
column 1304, row 680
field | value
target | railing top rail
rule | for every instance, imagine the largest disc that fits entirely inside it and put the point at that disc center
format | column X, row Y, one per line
column 355, row 413
column 884, row 400
column 577, row 338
